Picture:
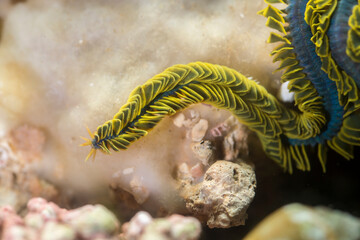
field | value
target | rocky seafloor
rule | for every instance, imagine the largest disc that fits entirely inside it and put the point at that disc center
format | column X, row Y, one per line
column 199, row 174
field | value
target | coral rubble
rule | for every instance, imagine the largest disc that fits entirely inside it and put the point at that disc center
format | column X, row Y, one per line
column 216, row 192
column 18, row 181
column 45, row 220
column 175, row 227
column 222, row 198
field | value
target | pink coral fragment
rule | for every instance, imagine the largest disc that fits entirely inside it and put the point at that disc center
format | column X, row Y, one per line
column 46, row 220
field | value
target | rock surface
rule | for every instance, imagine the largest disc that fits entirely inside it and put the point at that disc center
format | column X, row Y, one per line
column 222, row 198
column 299, row 222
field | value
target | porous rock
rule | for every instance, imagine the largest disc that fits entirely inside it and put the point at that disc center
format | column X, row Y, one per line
column 222, row 198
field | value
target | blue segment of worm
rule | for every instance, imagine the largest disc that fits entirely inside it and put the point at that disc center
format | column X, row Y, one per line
column 300, row 33
column 337, row 33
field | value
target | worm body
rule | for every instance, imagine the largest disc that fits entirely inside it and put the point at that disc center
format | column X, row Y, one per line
column 313, row 40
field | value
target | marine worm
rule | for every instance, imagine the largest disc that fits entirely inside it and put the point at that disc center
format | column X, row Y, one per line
column 319, row 54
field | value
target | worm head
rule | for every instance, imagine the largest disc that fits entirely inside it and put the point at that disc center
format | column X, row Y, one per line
column 89, row 142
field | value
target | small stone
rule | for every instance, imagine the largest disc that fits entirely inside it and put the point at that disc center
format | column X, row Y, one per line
column 133, row 229
column 184, row 227
column 178, row 120
column 183, row 173
column 15, row 233
column 194, row 119
column 33, row 220
column 48, row 211
column 235, row 142
column 197, row 171
column 139, row 191
column 93, row 220
column 56, row 231
column 128, row 171
column 174, row 227
column 199, row 130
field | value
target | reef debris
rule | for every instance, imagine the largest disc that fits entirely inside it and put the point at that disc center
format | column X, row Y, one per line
column 229, row 138
column 235, row 142
column 28, row 141
column 18, row 183
column 222, row 198
column 135, row 193
column 175, row 227
column 45, row 220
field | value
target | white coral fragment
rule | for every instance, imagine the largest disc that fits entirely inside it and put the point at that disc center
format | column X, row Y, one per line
column 139, row 191
column 199, row 130
column 236, row 140
column 179, row 119
column 136, row 226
